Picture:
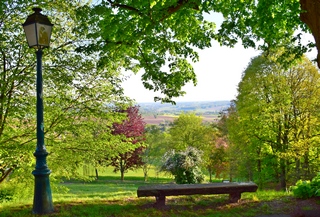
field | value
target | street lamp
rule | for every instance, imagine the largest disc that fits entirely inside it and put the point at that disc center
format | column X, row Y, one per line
column 38, row 28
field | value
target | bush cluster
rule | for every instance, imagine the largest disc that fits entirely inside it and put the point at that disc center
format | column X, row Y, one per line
column 307, row 189
column 184, row 165
column 5, row 195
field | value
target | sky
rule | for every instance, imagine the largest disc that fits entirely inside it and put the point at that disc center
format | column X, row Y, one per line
column 218, row 72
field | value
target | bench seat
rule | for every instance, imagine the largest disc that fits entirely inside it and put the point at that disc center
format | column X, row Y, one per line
column 161, row 191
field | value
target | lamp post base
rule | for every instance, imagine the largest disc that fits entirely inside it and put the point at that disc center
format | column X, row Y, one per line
column 42, row 201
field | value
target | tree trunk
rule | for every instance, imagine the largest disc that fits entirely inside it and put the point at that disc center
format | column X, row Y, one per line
column 298, row 172
column 97, row 175
column 122, row 175
column 311, row 17
column 283, row 183
column 5, row 174
column 306, row 167
column 122, row 169
column 145, row 172
column 259, row 168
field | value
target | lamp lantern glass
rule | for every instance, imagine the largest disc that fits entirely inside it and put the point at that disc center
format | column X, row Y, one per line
column 38, row 29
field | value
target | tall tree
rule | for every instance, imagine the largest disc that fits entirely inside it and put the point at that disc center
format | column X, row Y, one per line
column 156, row 143
column 277, row 120
column 149, row 35
column 218, row 161
column 132, row 129
column 78, row 95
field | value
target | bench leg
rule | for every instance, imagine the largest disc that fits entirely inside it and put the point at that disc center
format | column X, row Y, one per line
column 160, row 201
column 234, row 197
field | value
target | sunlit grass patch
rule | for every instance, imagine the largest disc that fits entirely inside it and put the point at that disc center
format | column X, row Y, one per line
column 265, row 195
column 108, row 196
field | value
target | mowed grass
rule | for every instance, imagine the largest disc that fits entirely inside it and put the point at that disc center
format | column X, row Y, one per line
column 108, row 196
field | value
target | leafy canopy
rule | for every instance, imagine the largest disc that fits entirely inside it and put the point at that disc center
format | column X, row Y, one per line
column 157, row 36
column 79, row 97
column 161, row 37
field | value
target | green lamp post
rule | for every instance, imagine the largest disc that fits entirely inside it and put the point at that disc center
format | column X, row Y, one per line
column 38, row 29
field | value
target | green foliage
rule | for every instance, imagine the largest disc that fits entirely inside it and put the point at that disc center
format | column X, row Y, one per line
column 302, row 189
column 5, row 195
column 315, row 185
column 189, row 130
column 156, row 143
column 264, row 25
column 276, row 119
column 184, row 165
column 79, row 97
column 307, row 189
column 138, row 34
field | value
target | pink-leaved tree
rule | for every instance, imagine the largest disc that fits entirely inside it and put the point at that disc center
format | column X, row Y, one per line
column 133, row 130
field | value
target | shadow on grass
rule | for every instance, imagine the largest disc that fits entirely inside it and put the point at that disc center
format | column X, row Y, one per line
column 128, row 207
column 132, row 207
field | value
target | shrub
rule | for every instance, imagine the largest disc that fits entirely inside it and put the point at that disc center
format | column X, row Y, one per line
column 184, row 165
column 302, row 189
column 315, row 185
column 307, row 189
column 5, row 195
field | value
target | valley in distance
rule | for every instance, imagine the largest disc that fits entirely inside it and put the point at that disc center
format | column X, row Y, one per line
column 162, row 114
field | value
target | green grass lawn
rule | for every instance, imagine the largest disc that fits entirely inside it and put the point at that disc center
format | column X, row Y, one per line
column 110, row 197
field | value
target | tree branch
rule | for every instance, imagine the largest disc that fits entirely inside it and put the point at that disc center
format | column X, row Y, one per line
column 127, row 7
column 5, row 174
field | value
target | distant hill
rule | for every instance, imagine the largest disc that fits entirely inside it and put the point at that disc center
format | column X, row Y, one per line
column 205, row 107
column 157, row 113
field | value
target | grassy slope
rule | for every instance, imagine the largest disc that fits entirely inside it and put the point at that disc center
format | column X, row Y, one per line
column 110, row 197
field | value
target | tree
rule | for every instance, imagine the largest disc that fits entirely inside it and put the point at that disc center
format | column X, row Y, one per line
column 155, row 147
column 151, row 34
column 269, row 24
column 280, row 126
column 241, row 156
column 188, row 130
column 78, row 95
column 132, row 130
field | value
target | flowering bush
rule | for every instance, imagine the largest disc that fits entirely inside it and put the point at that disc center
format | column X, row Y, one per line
column 184, row 165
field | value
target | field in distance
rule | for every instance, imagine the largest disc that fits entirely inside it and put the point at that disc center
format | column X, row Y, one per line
column 157, row 113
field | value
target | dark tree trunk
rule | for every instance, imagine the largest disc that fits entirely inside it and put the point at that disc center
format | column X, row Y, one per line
column 210, row 174
column 122, row 169
column 122, row 175
column 259, row 168
column 283, row 183
column 306, row 167
column 97, row 175
column 311, row 17
column 298, row 171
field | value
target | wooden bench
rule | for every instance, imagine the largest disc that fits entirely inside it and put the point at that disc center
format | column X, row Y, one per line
column 161, row 191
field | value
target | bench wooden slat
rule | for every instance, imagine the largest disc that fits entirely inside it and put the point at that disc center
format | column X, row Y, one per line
column 190, row 189
column 161, row 191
